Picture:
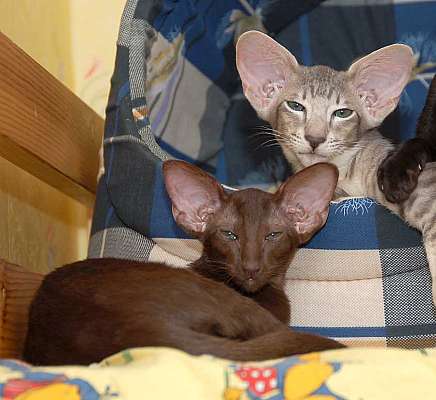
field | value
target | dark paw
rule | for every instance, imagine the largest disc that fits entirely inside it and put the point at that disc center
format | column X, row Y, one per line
column 398, row 174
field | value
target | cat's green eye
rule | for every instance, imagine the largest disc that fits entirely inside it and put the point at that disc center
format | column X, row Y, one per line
column 343, row 113
column 294, row 106
column 273, row 235
column 229, row 235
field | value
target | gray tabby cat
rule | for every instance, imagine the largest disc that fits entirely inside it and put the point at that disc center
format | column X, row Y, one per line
column 319, row 114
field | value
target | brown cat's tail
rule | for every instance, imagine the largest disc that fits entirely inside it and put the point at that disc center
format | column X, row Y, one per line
column 278, row 344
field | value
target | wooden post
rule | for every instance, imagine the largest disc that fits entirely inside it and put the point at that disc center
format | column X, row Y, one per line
column 44, row 128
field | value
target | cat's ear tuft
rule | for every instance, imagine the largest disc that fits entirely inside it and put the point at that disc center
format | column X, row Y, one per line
column 194, row 194
column 305, row 198
column 379, row 79
column 264, row 66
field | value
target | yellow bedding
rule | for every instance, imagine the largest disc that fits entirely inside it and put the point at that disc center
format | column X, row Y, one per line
column 161, row 373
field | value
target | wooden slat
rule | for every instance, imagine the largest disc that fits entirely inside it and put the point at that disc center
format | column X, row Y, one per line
column 17, row 289
column 44, row 128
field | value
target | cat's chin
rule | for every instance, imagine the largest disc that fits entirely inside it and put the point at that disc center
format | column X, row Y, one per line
column 308, row 159
column 251, row 285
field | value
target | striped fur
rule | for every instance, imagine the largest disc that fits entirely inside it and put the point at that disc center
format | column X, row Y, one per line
column 358, row 153
column 302, row 105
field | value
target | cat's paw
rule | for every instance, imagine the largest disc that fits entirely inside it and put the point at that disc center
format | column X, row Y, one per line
column 398, row 174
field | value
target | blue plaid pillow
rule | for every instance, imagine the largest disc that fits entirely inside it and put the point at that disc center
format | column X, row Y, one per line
column 175, row 93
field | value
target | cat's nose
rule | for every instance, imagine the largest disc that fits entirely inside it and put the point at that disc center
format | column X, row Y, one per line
column 314, row 141
column 251, row 270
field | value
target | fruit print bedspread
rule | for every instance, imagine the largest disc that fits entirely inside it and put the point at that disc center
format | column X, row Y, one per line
column 161, row 373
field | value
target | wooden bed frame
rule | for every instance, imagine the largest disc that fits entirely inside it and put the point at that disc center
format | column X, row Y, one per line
column 49, row 132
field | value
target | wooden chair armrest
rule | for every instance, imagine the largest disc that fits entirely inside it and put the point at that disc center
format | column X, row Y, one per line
column 44, row 128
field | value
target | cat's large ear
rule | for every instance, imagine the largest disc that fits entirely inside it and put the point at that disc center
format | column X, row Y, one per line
column 305, row 198
column 194, row 194
column 264, row 66
column 379, row 79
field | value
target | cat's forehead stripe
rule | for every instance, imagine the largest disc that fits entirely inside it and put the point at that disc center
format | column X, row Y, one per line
column 321, row 81
column 312, row 90
column 330, row 93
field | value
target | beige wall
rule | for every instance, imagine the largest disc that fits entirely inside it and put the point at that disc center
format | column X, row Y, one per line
column 42, row 29
column 75, row 41
column 94, row 31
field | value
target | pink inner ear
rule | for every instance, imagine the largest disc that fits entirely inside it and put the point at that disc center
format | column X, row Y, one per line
column 262, row 92
column 194, row 194
column 377, row 87
column 306, row 196
column 263, row 65
column 380, row 78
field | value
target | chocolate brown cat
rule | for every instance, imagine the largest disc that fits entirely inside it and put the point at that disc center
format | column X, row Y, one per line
column 230, row 303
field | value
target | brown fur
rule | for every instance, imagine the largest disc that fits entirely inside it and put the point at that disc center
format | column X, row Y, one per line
column 252, row 214
column 230, row 303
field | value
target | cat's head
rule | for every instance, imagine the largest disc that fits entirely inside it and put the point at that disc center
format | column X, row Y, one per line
column 317, row 112
column 249, row 236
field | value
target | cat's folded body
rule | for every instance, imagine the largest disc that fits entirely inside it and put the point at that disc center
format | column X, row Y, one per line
column 319, row 114
column 92, row 309
column 230, row 303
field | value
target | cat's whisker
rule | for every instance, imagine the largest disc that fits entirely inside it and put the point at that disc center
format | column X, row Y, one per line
column 275, row 138
column 270, row 141
column 271, row 133
column 271, row 130
column 263, row 146
column 217, row 263
column 265, row 128
column 222, row 265
column 272, row 145
column 263, row 133
column 274, row 142
column 261, row 127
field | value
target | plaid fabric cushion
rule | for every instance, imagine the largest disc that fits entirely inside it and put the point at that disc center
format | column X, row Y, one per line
column 175, row 93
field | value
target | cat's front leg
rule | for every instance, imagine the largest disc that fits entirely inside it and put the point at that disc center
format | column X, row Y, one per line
column 275, row 301
column 398, row 174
